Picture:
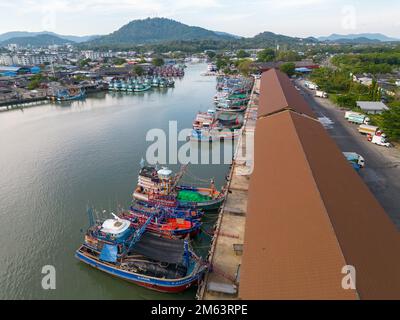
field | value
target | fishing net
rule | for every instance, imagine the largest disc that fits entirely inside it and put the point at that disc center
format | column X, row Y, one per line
column 192, row 196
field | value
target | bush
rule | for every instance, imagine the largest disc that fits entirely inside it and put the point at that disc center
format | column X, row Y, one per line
column 390, row 121
column 266, row 55
column 288, row 68
column 158, row 62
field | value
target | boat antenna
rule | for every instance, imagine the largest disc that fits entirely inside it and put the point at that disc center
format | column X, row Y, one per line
column 115, row 216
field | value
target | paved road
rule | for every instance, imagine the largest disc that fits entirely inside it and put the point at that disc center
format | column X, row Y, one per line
column 382, row 171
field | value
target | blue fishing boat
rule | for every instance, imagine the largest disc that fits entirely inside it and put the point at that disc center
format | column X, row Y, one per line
column 170, row 208
column 155, row 82
column 140, row 87
column 214, row 134
column 70, row 94
column 117, row 247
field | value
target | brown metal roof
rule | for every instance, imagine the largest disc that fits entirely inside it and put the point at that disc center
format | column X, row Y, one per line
column 309, row 215
column 290, row 248
column 368, row 238
column 278, row 93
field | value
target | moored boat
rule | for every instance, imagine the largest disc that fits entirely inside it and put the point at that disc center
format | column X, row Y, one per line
column 70, row 94
column 160, row 187
column 214, row 134
column 164, row 224
column 116, row 247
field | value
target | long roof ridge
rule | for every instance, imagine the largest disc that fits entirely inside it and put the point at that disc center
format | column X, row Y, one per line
column 328, row 217
column 288, row 108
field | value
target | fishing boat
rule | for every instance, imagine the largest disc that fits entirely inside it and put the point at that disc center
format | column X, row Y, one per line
column 204, row 120
column 163, row 83
column 116, row 85
column 155, row 82
column 124, row 86
column 201, row 198
column 214, row 134
column 160, row 187
column 170, row 208
column 227, row 108
column 117, row 247
column 231, row 120
column 140, row 87
column 163, row 223
column 130, row 87
column 70, row 94
column 170, row 83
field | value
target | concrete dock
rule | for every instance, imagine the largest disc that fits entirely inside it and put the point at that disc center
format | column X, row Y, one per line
column 221, row 282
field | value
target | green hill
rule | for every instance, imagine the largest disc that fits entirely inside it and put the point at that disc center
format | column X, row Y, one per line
column 36, row 41
column 157, row 30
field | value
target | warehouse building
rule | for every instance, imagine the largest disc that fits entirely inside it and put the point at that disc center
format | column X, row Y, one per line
column 372, row 107
column 313, row 228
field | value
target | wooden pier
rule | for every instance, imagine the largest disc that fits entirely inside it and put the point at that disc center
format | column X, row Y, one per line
column 222, row 280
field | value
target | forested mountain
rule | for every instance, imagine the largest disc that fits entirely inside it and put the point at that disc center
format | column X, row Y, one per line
column 36, row 41
column 157, row 30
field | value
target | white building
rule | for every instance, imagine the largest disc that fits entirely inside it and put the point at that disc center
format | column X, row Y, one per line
column 6, row 60
column 22, row 60
column 12, row 47
column 95, row 55
column 26, row 59
column 42, row 58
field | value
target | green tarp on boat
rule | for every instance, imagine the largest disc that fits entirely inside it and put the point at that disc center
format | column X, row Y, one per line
column 238, row 96
column 192, row 196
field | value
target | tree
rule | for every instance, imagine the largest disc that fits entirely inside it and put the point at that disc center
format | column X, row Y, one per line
column 119, row 61
column 266, row 55
column 244, row 66
column 211, row 54
column 138, row 70
column 288, row 68
column 288, row 56
column 391, row 121
column 375, row 91
column 158, row 61
column 222, row 62
column 346, row 101
column 84, row 63
column 35, row 82
column 242, row 54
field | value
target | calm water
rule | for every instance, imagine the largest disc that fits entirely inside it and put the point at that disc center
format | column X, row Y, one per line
column 55, row 159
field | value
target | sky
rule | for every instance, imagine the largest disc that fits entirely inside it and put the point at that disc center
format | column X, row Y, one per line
column 301, row 18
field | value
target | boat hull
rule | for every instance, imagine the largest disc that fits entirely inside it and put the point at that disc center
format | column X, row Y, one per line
column 160, row 285
column 206, row 206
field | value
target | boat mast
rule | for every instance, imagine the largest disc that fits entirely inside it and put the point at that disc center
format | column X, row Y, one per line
column 89, row 211
column 179, row 176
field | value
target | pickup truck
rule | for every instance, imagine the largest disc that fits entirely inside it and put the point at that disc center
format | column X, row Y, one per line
column 355, row 158
column 381, row 140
